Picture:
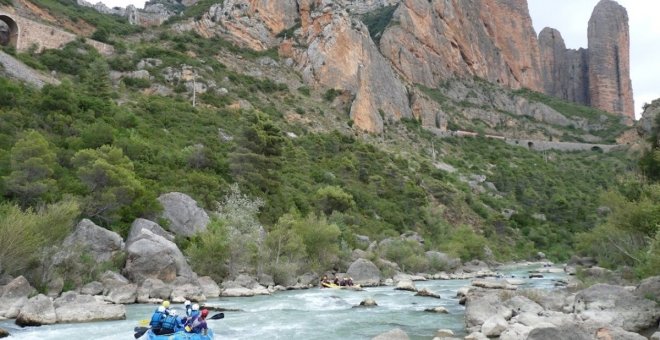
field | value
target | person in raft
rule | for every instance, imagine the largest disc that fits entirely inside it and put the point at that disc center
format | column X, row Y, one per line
column 198, row 324
column 325, row 282
column 171, row 324
column 157, row 319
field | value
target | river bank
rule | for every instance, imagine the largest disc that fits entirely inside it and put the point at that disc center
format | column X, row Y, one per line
column 304, row 314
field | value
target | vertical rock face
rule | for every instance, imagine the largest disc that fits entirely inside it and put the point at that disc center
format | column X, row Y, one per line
column 340, row 54
column 435, row 40
column 610, row 86
column 565, row 72
column 598, row 76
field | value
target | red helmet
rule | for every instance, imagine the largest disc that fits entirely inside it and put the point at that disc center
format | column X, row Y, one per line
column 205, row 312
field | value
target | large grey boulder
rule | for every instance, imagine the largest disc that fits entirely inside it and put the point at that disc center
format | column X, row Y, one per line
column 649, row 287
column 92, row 288
column 153, row 256
column 123, row 294
column 73, row 307
column 140, row 224
column 494, row 326
column 209, row 287
column 153, row 289
column 185, row 216
column 37, row 311
column 616, row 306
column 481, row 306
column 520, row 304
column 395, row 334
column 569, row 331
column 187, row 291
column 14, row 295
column 364, row 273
column 100, row 243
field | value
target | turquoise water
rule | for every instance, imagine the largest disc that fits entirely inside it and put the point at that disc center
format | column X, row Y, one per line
column 305, row 314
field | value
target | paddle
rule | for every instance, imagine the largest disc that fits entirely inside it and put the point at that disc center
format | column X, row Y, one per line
column 139, row 331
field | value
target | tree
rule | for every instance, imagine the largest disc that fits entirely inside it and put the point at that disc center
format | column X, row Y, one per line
column 110, row 182
column 650, row 162
column 244, row 231
column 334, row 198
column 32, row 165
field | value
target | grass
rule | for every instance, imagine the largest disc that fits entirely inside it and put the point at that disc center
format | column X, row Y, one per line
column 378, row 20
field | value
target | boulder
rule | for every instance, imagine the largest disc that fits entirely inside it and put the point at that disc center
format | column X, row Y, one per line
column 73, row 307
column 444, row 333
column 140, row 224
column 123, row 294
column 406, row 285
column 368, row 302
column 427, row 293
column 649, row 287
column 616, row 333
column 364, row 273
column 520, row 304
column 37, row 311
column 153, row 256
column 439, row 310
column 90, row 239
column 482, row 305
column 475, row 266
column 186, row 218
column 265, row 280
column 616, row 306
column 14, row 295
column 3, row 333
column 308, row 279
column 237, row 292
column 515, row 331
column 568, row 331
column 494, row 284
column 55, row 287
column 153, row 289
column 187, row 291
column 494, row 326
column 395, row 334
column 476, row 336
column 209, row 287
column 655, row 336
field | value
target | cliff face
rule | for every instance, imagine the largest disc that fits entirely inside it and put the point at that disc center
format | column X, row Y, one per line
column 338, row 53
column 610, row 87
column 428, row 43
column 433, row 41
column 598, row 76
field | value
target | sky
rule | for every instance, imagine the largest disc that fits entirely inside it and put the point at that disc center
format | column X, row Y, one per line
column 571, row 18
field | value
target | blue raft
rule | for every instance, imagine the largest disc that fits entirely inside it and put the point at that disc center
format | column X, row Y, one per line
column 180, row 336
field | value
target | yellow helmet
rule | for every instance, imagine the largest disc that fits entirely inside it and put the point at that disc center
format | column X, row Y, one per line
column 166, row 304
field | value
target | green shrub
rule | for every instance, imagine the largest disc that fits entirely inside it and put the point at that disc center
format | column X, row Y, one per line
column 137, row 83
column 24, row 233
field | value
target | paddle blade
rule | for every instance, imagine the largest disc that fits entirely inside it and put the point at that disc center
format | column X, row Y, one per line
column 139, row 331
column 218, row 316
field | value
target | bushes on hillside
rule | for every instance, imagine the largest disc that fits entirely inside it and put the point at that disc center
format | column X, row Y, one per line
column 23, row 234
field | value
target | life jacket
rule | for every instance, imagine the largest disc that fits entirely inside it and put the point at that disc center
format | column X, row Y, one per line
column 156, row 320
column 169, row 325
column 193, row 323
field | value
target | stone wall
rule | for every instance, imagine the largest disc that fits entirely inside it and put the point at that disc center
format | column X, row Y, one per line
column 29, row 32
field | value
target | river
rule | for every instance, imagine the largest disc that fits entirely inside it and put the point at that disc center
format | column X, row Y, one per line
column 305, row 314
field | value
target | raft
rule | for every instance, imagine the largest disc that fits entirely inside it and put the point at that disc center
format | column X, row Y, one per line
column 335, row 286
column 180, row 336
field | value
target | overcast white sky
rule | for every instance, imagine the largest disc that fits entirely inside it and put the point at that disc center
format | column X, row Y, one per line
column 571, row 18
